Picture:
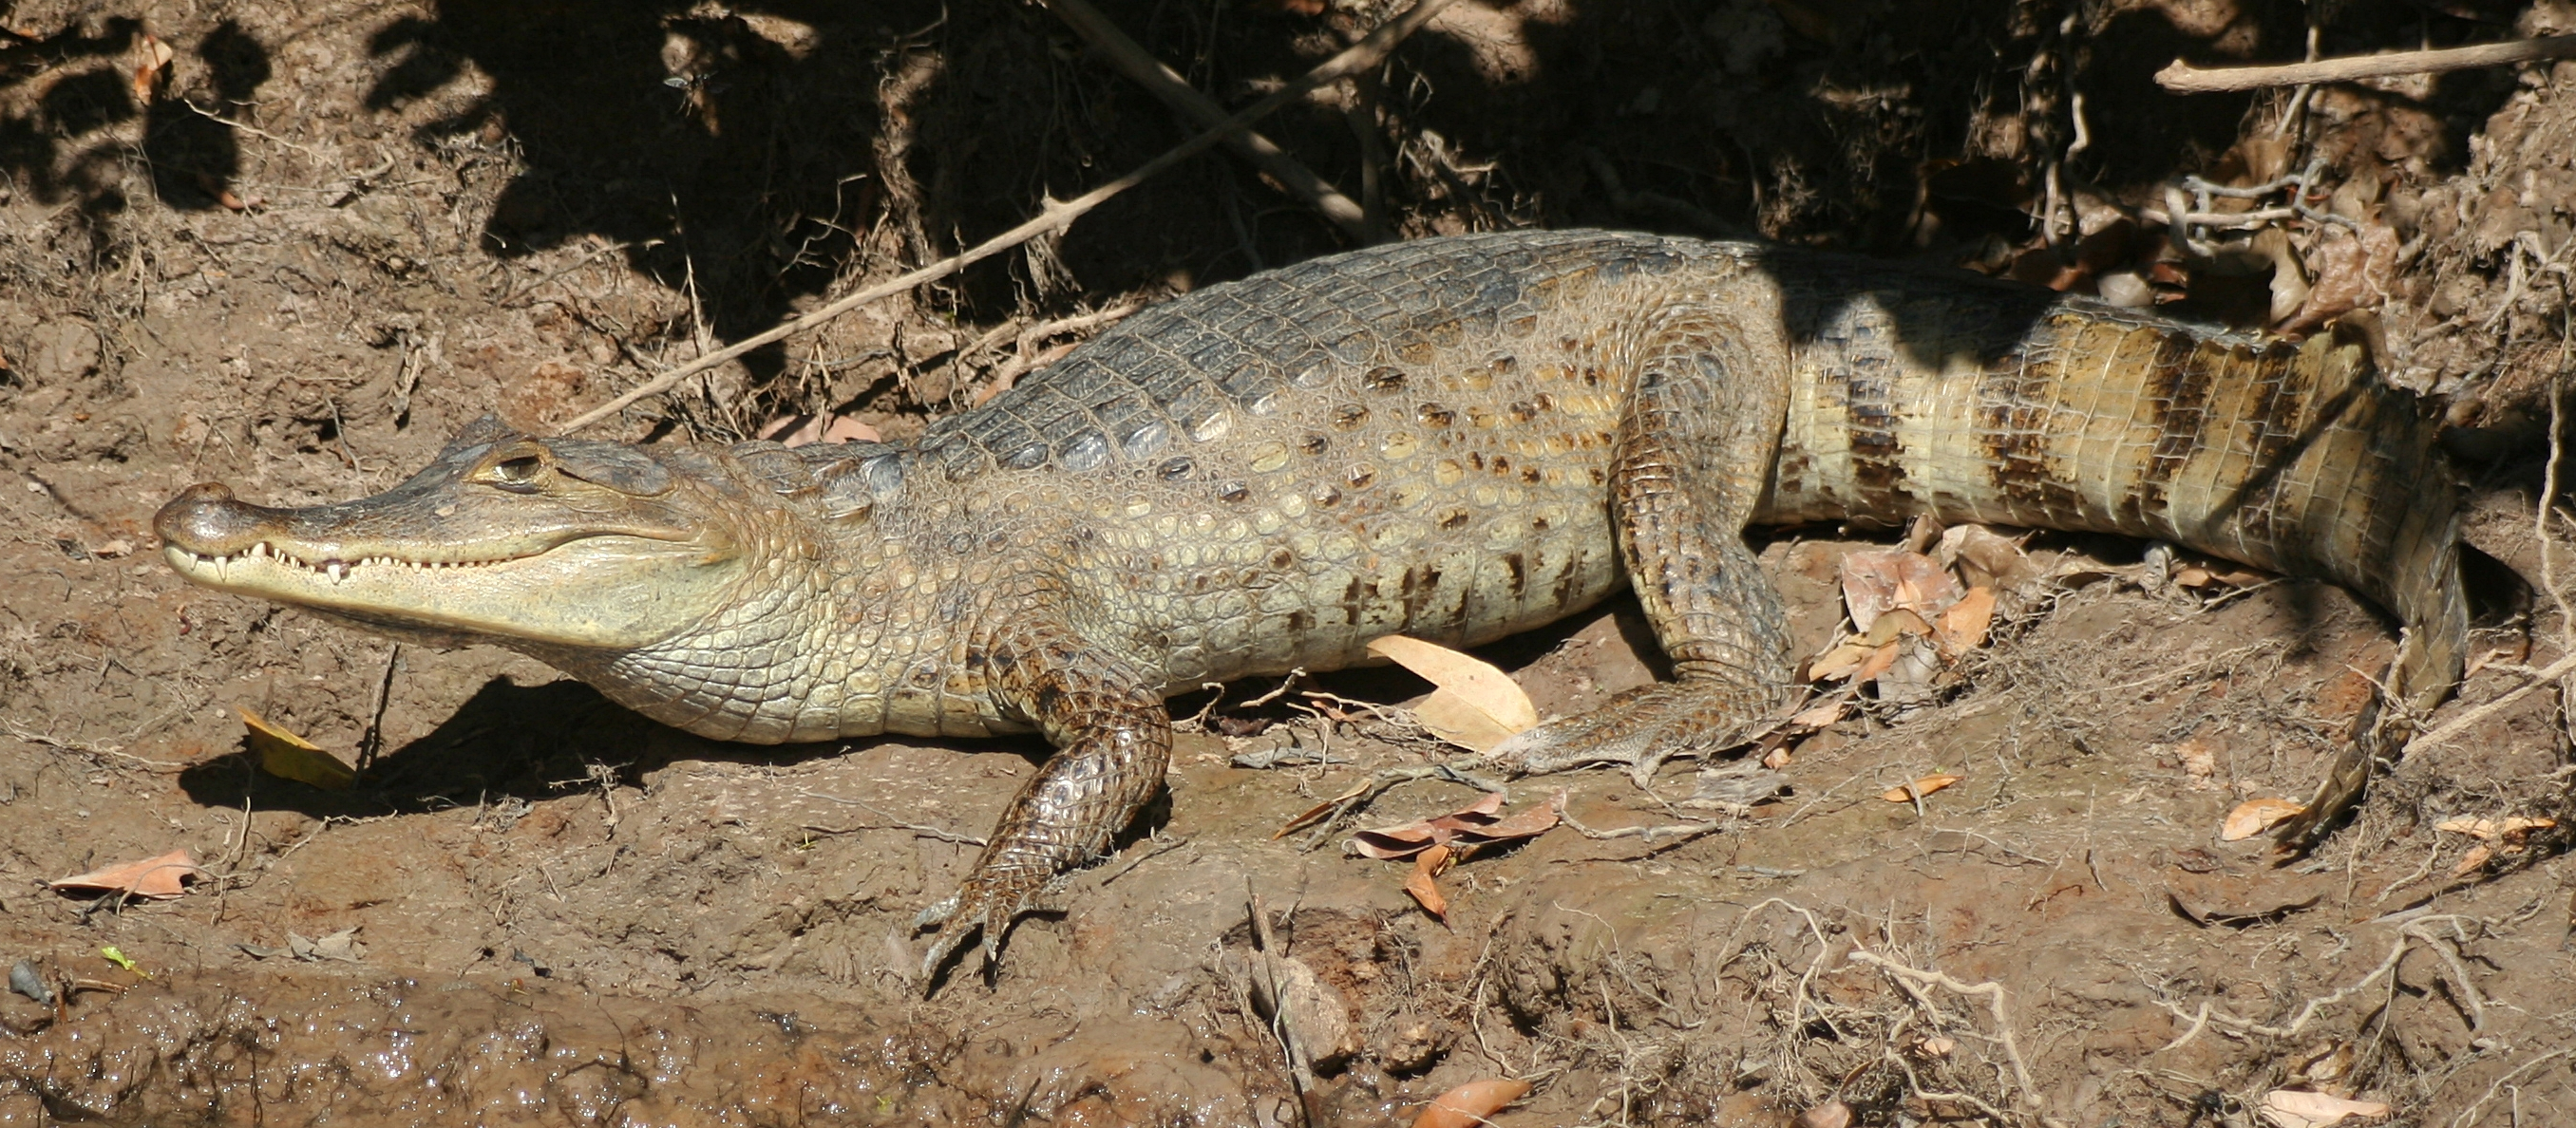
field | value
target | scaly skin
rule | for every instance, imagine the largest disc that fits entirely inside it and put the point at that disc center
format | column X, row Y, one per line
column 1454, row 439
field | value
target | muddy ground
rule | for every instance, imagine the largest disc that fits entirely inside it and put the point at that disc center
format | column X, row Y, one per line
column 324, row 236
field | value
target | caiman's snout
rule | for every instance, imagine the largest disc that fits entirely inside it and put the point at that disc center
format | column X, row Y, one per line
column 207, row 521
column 497, row 543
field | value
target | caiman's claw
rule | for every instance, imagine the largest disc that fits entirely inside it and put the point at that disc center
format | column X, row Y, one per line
column 984, row 906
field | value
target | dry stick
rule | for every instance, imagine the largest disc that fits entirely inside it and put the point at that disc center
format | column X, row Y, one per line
column 1994, row 995
column 1167, row 84
column 1055, row 215
column 2456, row 725
column 2185, row 78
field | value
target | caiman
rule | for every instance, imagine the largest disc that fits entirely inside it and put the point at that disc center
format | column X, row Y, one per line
column 1453, row 438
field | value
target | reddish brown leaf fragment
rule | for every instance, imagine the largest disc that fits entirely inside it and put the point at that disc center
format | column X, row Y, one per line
column 158, row 878
column 1425, row 885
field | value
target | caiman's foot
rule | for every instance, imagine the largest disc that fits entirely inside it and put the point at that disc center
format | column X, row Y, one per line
column 985, row 906
column 1639, row 729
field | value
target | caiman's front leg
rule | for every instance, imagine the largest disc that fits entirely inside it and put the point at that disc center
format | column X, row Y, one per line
column 1113, row 740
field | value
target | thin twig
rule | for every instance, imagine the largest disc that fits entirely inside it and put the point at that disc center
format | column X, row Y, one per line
column 2185, row 78
column 1681, row 832
column 2407, row 938
column 1026, row 357
column 87, row 749
column 1135, row 62
column 1054, row 215
column 2548, row 675
column 2540, row 516
column 1916, row 978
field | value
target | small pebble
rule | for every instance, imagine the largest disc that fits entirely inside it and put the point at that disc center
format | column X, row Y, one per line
column 2125, row 289
column 24, row 979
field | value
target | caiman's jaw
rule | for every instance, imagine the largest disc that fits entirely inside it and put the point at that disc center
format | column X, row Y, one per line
column 553, row 543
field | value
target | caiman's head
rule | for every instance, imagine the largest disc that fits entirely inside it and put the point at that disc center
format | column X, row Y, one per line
column 523, row 541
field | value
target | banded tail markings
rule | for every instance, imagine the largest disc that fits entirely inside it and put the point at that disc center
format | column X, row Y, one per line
column 1871, row 420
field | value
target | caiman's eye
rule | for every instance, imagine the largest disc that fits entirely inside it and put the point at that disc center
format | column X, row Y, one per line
column 517, row 473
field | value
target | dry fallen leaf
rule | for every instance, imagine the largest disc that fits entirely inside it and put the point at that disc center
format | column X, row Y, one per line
column 1880, row 661
column 150, row 55
column 2199, row 761
column 2254, row 816
column 288, row 756
column 342, row 945
column 1476, row 705
column 1468, row 1105
column 1986, row 558
column 1921, row 787
column 2469, row 862
column 1319, row 810
column 1935, row 1046
column 1425, row 882
column 157, row 878
column 2298, row 1108
column 2490, row 829
column 1820, row 715
column 2353, row 272
column 2201, row 576
column 1963, row 625
column 1831, row 1114
column 1840, row 661
column 806, row 430
column 1876, row 581
column 844, row 429
column 1475, row 824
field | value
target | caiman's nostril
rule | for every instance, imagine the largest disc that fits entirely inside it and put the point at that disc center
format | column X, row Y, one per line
column 205, row 519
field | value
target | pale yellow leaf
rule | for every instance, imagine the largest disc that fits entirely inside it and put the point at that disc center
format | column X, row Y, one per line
column 2298, row 1108
column 2254, row 816
column 288, row 756
column 1461, row 722
column 1471, row 682
column 2492, row 829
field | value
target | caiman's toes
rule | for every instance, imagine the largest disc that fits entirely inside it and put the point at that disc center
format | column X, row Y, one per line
column 1638, row 729
column 983, row 907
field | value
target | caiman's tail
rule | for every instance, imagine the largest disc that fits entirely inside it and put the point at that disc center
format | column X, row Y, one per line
column 2347, row 480
column 2295, row 457
column 2301, row 459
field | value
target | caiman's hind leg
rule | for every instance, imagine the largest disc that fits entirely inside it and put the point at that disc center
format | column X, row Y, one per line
column 1695, row 448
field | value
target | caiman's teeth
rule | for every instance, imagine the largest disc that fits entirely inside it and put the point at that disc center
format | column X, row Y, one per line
column 338, row 569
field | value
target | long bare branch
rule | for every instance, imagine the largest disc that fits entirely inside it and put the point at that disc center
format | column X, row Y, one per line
column 2185, row 78
column 1167, row 84
column 1055, row 215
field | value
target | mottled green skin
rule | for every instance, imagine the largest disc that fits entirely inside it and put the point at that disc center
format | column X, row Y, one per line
column 1457, row 439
